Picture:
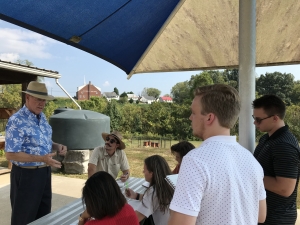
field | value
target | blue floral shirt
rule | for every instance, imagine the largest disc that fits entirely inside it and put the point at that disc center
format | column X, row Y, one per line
column 26, row 133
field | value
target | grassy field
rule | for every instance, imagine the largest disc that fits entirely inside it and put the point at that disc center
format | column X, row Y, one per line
column 136, row 158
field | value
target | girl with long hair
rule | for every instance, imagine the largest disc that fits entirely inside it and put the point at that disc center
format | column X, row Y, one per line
column 105, row 203
column 156, row 199
column 179, row 150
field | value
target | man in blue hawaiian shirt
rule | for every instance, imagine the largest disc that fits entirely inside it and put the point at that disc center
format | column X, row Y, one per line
column 28, row 146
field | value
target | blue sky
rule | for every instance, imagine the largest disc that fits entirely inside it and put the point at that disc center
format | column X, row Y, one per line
column 77, row 66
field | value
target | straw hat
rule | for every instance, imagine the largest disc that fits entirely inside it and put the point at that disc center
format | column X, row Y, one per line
column 117, row 136
column 38, row 90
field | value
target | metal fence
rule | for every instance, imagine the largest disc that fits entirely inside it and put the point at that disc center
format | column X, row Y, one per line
column 146, row 142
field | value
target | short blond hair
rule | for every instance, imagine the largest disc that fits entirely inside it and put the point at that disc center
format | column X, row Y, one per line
column 221, row 100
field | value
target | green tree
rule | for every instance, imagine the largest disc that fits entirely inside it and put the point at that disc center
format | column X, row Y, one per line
column 292, row 118
column 124, row 94
column 295, row 95
column 24, row 62
column 115, row 115
column 181, row 92
column 123, row 100
column 153, row 92
column 11, row 96
column 280, row 84
column 216, row 76
column 49, row 109
column 181, row 124
column 131, row 119
column 158, row 118
column 231, row 76
column 199, row 80
column 116, row 91
column 131, row 101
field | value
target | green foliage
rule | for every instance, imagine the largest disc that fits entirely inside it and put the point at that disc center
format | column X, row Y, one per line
column 199, row 80
column 280, row 84
column 116, row 91
column 130, row 101
column 2, row 153
column 123, row 95
column 217, row 76
column 181, row 92
column 11, row 96
column 295, row 95
column 153, row 92
column 49, row 109
column 292, row 118
column 170, row 121
column 112, row 110
column 123, row 100
column 24, row 62
column 231, row 77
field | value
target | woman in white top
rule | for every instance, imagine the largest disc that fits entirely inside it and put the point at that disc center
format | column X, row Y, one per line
column 156, row 199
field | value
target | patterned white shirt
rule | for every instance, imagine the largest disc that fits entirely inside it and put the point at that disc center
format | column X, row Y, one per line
column 220, row 182
column 26, row 133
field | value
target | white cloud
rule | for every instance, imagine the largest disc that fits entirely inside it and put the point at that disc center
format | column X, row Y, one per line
column 106, row 83
column 10, row 57
column 25, row 44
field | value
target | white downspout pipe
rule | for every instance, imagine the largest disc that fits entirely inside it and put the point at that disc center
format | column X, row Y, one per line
column 56, row 80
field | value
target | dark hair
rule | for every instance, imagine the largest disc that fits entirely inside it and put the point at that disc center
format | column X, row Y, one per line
column 182, row 148
column 160, row 169
column 102, row 196
column 221, row 100
column 271, row 104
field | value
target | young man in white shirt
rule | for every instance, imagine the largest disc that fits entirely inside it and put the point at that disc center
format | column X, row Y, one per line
column 220, row 182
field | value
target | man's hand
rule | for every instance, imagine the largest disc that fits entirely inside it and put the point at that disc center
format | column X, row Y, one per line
column 130, row 193
column 124, row 177
column 62, row 150
column 51, row 162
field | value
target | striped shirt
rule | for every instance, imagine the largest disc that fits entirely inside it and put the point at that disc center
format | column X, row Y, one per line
column 279, row 156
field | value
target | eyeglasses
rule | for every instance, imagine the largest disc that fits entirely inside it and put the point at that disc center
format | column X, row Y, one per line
column 111, row 140
column 39, row 99
column 259, row 120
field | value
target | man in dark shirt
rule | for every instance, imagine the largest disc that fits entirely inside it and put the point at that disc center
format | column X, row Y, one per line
column 278, row 153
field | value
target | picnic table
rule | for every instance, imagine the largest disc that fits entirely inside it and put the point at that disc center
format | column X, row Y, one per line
column 69, row 214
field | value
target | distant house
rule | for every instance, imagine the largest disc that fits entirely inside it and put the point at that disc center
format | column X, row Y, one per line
column 147, row 99
column 110, row 95
column 166, row 99
column 85, row 92
column 133, row 97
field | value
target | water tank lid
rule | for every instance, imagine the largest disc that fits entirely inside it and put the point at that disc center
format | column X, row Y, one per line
column 80, row 114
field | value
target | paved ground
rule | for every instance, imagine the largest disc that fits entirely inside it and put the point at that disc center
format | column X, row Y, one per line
column 65, row 190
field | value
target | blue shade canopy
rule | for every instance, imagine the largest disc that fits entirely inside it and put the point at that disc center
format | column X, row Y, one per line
column 117, row 31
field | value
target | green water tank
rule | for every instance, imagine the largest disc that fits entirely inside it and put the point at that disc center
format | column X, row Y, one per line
column 79, row 129
column 62, row 109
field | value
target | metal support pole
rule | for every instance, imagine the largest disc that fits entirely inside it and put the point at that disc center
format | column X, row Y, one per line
column 247, row 57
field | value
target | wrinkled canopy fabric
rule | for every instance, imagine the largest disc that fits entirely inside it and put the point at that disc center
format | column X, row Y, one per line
column 142, row 36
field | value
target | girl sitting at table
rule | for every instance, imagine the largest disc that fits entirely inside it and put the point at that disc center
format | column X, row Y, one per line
column 105, row 203
column 156, row 199
column 179, row 150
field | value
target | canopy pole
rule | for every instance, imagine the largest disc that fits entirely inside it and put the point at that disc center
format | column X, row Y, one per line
column 247, row 57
